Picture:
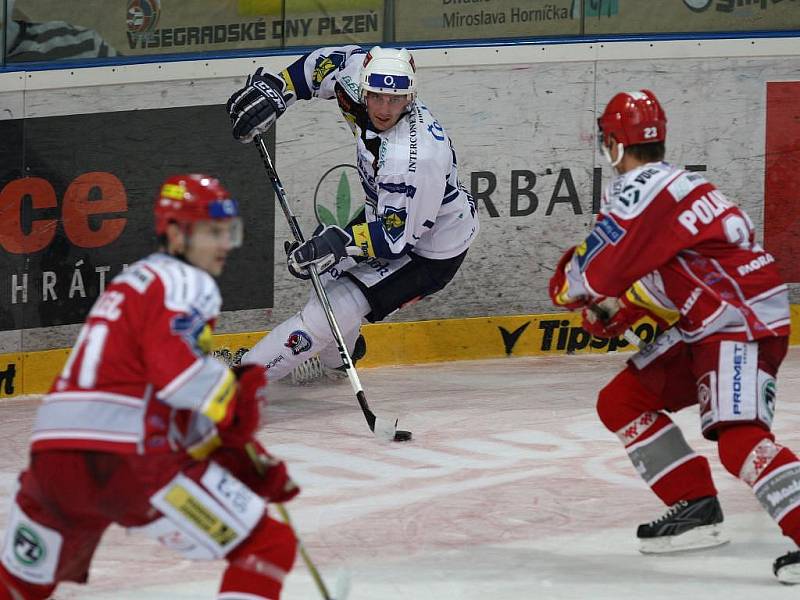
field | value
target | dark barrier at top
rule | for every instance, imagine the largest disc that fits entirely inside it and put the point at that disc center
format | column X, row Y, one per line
column 52, row 30
column 76, row 205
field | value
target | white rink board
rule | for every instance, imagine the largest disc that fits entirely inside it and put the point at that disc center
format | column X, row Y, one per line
column 511, row 490
column 528, row 108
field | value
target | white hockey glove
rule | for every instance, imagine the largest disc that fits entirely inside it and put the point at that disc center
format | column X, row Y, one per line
column 254, row 108
column 324, row 250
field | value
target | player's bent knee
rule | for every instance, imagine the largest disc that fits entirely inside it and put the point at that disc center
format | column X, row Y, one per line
column 612, row 408
column 349, row 306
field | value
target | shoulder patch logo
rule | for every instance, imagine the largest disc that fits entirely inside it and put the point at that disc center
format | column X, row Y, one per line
column 610, row 229
column 324, row 66
column 394, row 222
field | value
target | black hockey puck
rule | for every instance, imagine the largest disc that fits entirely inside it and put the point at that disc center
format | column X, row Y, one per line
column 402, row 436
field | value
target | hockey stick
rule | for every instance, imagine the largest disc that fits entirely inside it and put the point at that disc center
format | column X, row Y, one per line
column 342, row 581
column 383, row 428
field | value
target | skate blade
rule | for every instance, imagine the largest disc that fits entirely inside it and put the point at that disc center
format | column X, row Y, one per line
column 789, row 575
column 698, row 538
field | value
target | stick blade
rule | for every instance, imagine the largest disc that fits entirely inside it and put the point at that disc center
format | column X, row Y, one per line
column 341, row 587
column 385, row 429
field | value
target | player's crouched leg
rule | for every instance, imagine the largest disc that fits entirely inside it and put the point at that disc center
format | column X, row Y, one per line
column 259, row 565
column 750, row 453
column 663, row 458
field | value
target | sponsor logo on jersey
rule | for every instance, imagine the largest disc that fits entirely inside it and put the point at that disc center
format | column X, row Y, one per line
column 610, row 229
column 298, row 341
column 768, row 389
column 194, row 329
column 437, row 131
column 739, row 359
column 588, row 249
column 394, row 222
column 755, row 264
column 398, row 188
column 29, row 548
column 350, row 85
column 412, row 140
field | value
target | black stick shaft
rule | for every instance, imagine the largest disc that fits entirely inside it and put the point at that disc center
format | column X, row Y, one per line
column 322, row 295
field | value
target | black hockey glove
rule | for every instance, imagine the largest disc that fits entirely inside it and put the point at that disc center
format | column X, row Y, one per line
column 255, row 108
column 324, row 250
column 290, row 247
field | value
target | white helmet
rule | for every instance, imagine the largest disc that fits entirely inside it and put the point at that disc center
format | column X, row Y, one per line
column 388, row 71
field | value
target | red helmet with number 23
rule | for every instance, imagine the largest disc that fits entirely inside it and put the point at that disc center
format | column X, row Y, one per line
column 633, row 118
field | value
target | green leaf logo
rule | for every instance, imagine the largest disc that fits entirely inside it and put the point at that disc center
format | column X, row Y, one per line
column 333, row 198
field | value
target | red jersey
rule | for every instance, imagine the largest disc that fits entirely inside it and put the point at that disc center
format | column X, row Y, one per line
column 139, row 378
column 690, row 247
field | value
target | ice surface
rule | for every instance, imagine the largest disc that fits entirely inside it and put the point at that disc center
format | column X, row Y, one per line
column 510, row 490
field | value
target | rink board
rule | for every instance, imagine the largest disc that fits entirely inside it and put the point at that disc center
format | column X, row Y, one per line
column 389, row 344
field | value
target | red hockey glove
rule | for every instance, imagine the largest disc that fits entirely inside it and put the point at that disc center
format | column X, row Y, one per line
column 558, row 287
column 611, row 317
column 252, row 385
column 251, row 464
column 272, row 482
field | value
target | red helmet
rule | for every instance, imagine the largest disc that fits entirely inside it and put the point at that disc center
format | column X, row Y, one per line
column 633, row 118
column 192, row 197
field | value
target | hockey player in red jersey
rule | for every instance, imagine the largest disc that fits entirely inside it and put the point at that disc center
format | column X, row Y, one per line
column 145, row 429
column 669, row 244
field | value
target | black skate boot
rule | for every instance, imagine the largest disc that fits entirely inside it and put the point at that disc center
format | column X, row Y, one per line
column 687, row 525
column 787, row 568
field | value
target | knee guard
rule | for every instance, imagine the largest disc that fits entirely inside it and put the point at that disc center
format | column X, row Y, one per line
column 349, row 306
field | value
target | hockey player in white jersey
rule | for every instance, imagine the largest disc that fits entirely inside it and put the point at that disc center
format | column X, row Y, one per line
column 418, row 220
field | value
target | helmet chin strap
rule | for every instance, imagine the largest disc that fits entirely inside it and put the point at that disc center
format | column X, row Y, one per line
column 620, row 154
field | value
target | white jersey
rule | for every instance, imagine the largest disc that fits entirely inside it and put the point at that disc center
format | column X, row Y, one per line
column 414, row 201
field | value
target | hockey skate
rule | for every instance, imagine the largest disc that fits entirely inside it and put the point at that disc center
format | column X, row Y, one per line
column 787, row 568
column 313, row 370
column 687, row 525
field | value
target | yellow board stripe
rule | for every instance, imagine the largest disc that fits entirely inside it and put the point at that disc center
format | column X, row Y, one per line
column 389, row 344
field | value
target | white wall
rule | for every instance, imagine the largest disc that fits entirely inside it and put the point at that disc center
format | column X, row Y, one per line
column 530, row 107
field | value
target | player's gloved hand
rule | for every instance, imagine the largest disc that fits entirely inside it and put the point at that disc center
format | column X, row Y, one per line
column 273, row 482
column 559, row 288
column 324, row 249
column 254, row 108
column 610, row 317
column 239, row 427
column 290, row 247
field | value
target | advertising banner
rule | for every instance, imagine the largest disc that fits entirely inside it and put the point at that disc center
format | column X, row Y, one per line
column 454, row 19
column 647, row 16
column 142, row 27
column 76, row 206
